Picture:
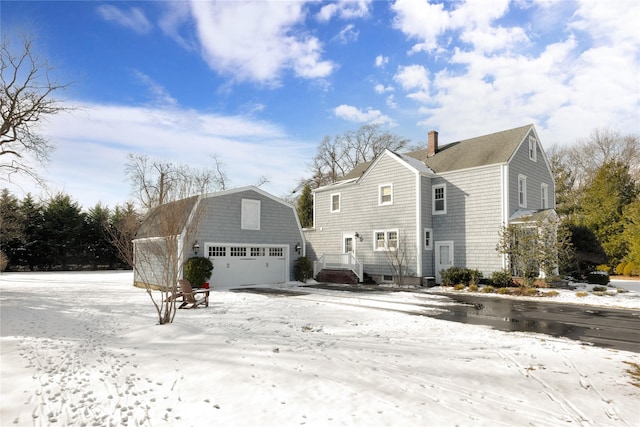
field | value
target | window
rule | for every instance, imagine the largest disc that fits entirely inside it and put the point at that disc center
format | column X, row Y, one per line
column 217, row 251
column 257, row 251
column 250, row 214
column 335, row 202
column 385, row 194
column 532, row 148
column 439, row 199
column 276, row 252
column 522, row 191
column 544, row 196
column 428, row 233
column 238, row 251
column 385, row 240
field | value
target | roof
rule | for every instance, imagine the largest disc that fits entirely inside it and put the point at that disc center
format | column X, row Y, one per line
column 171, row 218
column 494, row 148
column 529, row 216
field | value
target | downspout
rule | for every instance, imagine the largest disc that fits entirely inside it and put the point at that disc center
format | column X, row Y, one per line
column 504, row 172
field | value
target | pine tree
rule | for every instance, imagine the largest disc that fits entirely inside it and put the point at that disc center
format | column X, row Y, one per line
column 305, row 207
column 602, row 207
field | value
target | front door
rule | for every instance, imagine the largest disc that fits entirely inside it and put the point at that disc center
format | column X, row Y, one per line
column 444, row 258
column 348, row 244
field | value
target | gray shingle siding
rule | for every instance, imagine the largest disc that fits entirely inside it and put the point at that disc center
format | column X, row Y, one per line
column 473, row 218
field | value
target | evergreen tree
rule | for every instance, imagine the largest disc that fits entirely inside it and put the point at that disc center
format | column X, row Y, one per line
column 305, row 207
column 632, row 231
column 63, row 223
column 98, row 247
column 11, row 226
column 602, row 207
column 32, row 252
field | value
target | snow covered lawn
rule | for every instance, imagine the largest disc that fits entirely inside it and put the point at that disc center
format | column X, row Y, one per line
column 84, row 349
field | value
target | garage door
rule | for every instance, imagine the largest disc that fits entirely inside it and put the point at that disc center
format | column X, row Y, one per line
column 237, row 265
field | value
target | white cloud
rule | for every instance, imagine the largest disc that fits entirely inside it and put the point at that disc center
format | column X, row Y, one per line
column 381, row 61
column 421, row 20
column 345, row 9
column 354, row 114
column 380, row 88
column 132, row 18
column 258, row 41
column 347, row 34
column 414, row 78
column 159, row 93
column 249, row 149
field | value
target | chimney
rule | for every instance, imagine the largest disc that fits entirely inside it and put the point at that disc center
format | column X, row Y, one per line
column 433, row 143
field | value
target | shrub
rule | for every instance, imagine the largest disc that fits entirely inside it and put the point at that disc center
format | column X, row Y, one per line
column 598, row 277
column 581, row 294
column 459, row 287
column 599, row 289
column 605, row 268
column 550, row 294
column 504, row 291
column 501, row 279
column 488, row 289
column 473, row 288
column 620, row 268
column 197, row 271
column 631, row 269
column 302, row 269
column 458, row 275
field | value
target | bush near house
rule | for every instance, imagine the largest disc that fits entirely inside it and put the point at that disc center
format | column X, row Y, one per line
column 460, row 276
column 501, row 279
column 628, row 268
column 197, row 271
column 302, row 269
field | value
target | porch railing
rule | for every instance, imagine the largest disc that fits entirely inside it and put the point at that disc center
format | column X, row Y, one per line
column 346, row 261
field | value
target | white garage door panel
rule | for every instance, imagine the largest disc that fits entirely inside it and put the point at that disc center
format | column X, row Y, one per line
column 245, row 265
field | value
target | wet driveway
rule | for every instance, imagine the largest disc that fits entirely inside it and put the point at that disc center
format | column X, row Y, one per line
column 605, row 327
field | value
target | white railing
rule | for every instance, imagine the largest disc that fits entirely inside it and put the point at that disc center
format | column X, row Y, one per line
column 346, row 261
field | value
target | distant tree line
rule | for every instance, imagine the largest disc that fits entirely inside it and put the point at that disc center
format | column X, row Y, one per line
column 58, row 235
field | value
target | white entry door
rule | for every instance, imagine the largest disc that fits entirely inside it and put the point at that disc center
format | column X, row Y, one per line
column 444, row 258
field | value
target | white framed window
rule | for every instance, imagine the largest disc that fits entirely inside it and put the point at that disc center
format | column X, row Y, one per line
column 544, row 196
column 428, row 238
column 532, row 148
column 258, row 251
column 385, row 240
column 439, row 199
column 214, row 251
column 522, row 191
column 385, row 194
column 276, row 252
column 335, row 202
column 250, row 214
column 238, row 251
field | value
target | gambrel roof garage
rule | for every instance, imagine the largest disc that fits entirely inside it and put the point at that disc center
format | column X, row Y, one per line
column 250, row 236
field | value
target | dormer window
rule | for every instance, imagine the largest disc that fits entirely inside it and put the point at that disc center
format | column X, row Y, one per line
column 532, row 148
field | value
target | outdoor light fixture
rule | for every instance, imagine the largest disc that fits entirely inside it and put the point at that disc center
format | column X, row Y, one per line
column 357, row 234
column 298, row 248
column 196, row 248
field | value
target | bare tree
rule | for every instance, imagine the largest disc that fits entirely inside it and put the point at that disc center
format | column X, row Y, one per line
column 397, row 258
column 337, row 156
column 26, row 98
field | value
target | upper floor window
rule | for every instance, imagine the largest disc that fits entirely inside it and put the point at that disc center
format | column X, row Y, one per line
column 532, row 148
column 522, row 191
column 428, row 238
column 439, row 199
column 335, row 202
column 544, row 196
column 385, row 194
column 250, row 214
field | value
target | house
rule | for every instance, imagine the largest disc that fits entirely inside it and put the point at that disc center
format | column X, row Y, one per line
column 250, row 236
column 431, row 209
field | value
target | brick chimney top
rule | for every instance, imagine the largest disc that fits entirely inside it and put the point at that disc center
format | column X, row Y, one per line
column 433, row 143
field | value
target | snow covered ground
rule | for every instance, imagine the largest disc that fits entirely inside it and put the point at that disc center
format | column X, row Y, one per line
column 84, row 349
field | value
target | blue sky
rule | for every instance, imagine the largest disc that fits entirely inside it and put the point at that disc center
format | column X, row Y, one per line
column 259, row 84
